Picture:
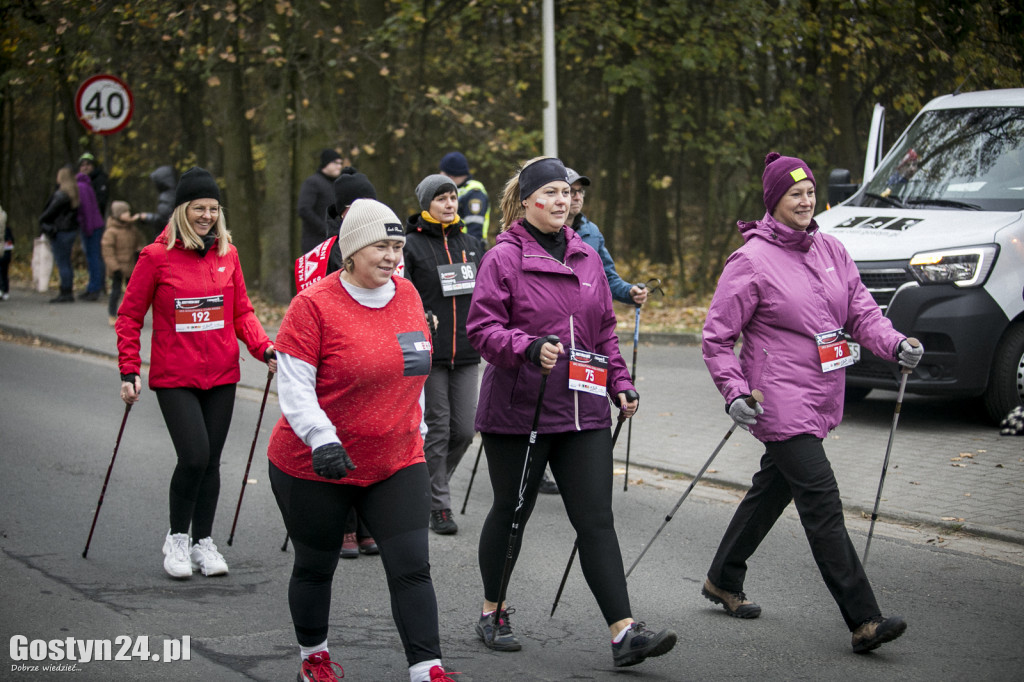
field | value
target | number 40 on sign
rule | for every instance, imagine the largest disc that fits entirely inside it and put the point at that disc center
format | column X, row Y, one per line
column 104, row 104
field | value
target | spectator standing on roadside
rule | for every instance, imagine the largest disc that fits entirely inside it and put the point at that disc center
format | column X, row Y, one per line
column 474, row 205
column 5, row 256
column 192, row 279
column 90, row 223
column 59, row 222
column 315, row 195
column 441, row 261
column 164, row 180
column 98, row 177
column 121, row 245
column 791, row 292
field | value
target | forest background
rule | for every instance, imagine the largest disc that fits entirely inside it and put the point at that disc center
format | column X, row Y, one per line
column 668, row 105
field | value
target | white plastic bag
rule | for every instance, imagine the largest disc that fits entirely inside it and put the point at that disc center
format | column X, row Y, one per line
column 42, row 263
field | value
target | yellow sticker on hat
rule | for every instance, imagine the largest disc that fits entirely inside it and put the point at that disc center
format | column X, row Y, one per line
column 798, row 174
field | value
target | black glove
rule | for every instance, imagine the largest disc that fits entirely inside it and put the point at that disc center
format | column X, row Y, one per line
column 269, row 354
column 130, row 378
column 331, row 461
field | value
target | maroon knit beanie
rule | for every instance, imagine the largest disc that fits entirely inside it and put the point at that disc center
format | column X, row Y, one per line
column 781, row 173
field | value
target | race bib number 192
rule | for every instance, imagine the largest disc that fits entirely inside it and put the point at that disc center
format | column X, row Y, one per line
column 198, row 314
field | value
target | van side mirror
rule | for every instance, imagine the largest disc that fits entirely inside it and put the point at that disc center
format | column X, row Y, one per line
column 839, row 186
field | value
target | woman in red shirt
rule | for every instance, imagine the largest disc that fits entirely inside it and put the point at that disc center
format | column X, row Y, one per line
column 355, row 353
column 191, row 278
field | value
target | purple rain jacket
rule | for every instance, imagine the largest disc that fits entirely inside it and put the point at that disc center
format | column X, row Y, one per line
column 521, row 294
column 778, row 290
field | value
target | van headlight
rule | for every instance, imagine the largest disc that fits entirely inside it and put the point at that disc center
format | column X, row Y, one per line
column 966, row 267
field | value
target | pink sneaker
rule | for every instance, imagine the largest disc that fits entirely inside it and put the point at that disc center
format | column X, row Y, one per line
column 349, row 547
column 318, row 668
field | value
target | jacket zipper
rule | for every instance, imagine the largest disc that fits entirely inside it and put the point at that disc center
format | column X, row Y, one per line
column 455, row 316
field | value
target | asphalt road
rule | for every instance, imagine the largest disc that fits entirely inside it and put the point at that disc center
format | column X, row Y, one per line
column 59, row 416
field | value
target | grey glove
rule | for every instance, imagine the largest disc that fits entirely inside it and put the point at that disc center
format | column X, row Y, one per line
column 909, row 355
column 331, row 461
column 743, row 414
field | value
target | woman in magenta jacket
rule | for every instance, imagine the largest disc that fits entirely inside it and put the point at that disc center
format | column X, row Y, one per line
column 792, row 292
column 192, row 279
column 541, row 279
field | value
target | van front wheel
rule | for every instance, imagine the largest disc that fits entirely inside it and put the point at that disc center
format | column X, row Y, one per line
column 1006, row 383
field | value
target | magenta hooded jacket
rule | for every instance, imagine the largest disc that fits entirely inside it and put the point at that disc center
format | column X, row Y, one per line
column 778, row 290
column 521, row 294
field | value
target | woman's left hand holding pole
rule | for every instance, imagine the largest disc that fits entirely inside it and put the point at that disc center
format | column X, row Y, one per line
column 131, row 387
column 629, row 402
column 270, row 357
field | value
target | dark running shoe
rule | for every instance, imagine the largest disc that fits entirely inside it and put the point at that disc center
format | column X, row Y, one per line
column 368, row 546
column 442, row 522
column 349, row 547
column 876, row 631
column 504, row 640
column 639, row 643
column 735, row 604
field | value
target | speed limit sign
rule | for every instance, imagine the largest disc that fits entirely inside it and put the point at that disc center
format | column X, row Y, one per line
column 104, row 104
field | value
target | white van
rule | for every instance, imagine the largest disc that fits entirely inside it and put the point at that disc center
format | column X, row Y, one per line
column 937, row 232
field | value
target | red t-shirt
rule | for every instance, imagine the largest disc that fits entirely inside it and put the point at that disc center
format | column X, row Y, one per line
column 371, row 366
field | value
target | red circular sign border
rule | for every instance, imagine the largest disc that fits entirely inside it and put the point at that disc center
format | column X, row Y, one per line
column 78, row 103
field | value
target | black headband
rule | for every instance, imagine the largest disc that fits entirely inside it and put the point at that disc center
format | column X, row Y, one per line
column 540, row 173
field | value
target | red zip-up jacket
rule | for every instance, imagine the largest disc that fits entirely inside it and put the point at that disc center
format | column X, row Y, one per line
column 194, row 333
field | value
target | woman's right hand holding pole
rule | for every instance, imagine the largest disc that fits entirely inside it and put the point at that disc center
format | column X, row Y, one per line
column 131, row 387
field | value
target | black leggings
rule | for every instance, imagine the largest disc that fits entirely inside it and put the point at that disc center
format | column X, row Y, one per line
column 581, row 463
column 198, row 422
column 396, row 511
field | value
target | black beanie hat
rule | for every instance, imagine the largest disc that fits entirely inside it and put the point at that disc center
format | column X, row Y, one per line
column 328, row 156
column 196, row 183
column 349, row 186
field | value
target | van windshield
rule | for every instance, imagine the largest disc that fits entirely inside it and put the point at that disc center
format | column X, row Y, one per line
column 957, row 159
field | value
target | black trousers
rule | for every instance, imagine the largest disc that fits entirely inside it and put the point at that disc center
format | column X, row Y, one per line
column 198, row 422
column 798, row 470
column 396, row 511
column 581, row 463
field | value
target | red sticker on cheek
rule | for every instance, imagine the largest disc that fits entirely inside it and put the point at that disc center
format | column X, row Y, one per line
column 540, row 204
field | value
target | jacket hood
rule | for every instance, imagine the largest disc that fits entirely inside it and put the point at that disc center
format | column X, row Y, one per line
column 774, row 232
column 163, row 178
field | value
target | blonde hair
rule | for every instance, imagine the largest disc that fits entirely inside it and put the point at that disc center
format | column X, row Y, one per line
column 179, row 226
column 66, row 182
column 511, row 206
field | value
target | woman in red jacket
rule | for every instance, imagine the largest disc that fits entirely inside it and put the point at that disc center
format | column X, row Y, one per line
column 192, row 279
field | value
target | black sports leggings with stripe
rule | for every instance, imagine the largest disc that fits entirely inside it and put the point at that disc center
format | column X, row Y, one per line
column 198, row 422
column 395, row 511
column 581, row 463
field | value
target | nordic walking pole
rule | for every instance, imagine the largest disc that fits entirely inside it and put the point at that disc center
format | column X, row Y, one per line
column 632, row 376
column 245, row 477
column 110, row 467
column 905, row 372
column 517, row 516
column 576, row 543
column 473, row 475
column 755, row 397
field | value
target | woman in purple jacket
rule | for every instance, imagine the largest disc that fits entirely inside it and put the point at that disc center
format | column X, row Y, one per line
column 792, row 292
column 541, row 279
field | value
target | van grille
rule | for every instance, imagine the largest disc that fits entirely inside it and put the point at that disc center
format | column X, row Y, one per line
column 883, row 282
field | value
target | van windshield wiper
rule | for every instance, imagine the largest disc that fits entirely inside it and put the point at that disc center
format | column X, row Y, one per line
column 952, row 203
column 891, row 200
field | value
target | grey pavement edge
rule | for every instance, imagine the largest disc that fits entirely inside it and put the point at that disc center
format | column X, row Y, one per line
column 948, row 469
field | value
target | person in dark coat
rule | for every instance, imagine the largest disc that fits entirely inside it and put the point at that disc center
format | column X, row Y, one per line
column 165, row 181
column 441, row 260
column 59, row 222
column 315, row 195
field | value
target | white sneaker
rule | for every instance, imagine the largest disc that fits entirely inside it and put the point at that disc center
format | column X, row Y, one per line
column 176, row 561
column 207, row 559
